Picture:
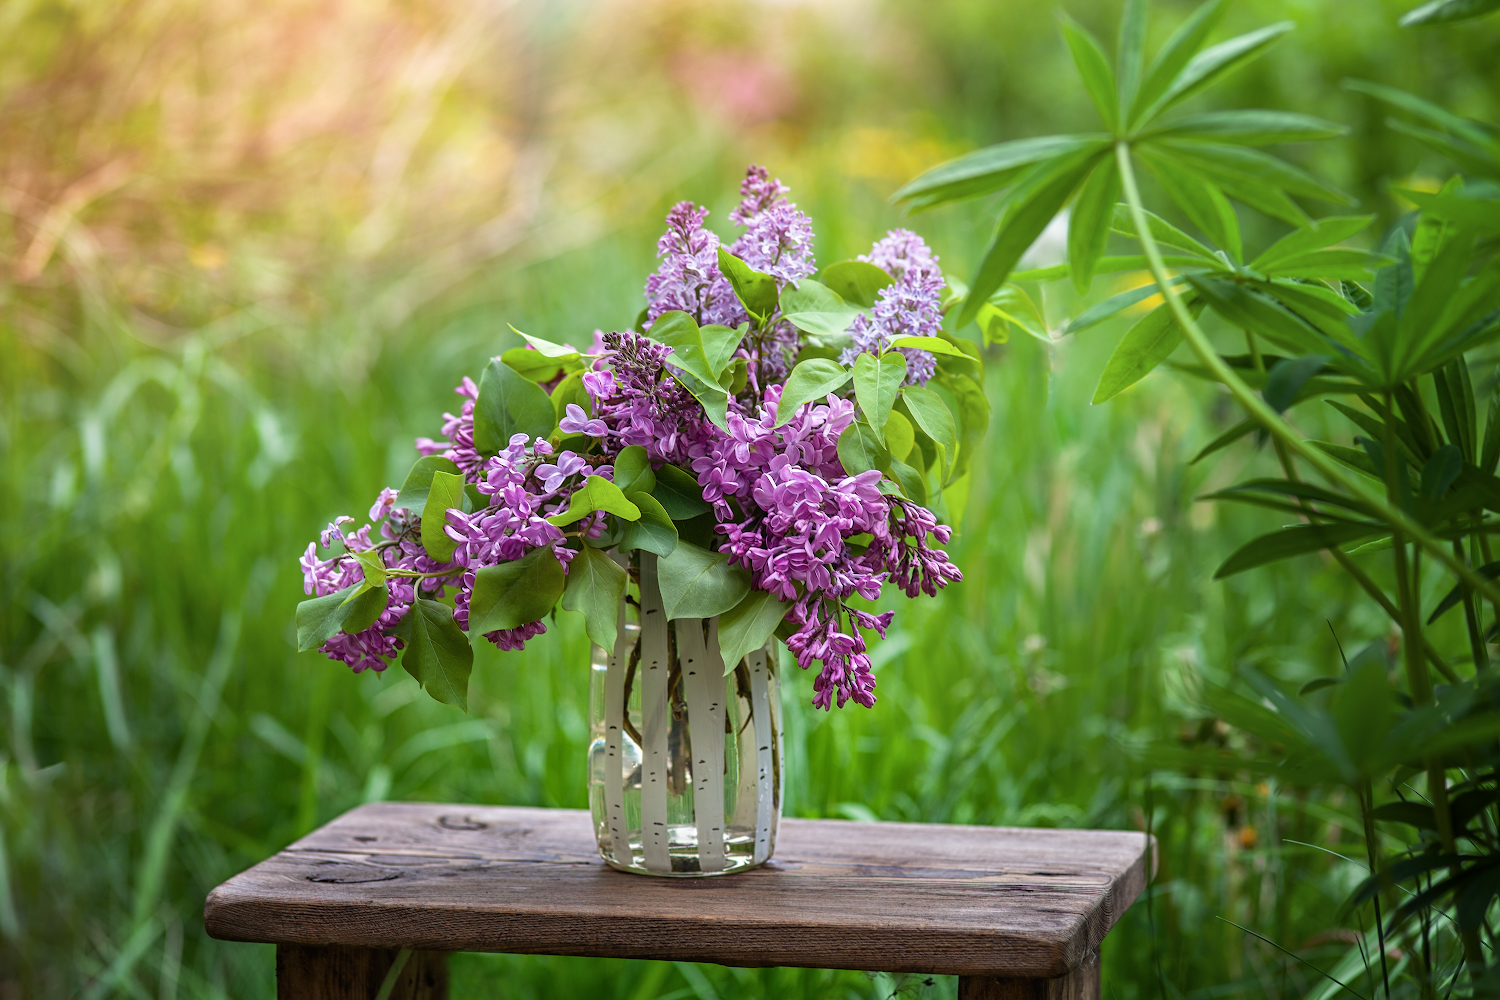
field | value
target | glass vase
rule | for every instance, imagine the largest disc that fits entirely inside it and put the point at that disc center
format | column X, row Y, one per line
column 684, row 756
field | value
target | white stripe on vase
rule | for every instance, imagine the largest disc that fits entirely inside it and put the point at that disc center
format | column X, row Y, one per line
column 614, row 760
column 703, row 677
column 760, row 708
column 656, row 719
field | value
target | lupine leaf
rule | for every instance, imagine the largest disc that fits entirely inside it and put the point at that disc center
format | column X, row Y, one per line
column 1163, row 232
column 1089, row 224
column 1201, row 201
column 1026, row 216
column 1247, row 127
column 653, row 531
column 596, row 494
column 1438, row 12
column 1114, row 305
column 1212, row 63
column 447, row 492
column 748, row 626
column 1252, row 166
column 877, row 380
column 756, row 291
column 509, row 404
column 1130, row 57
column 1143, row 348
column 1226, row 439
column 437, row 652
column 418, row 483
column 855, row 282
column 1439, row 116
column 1295, row 541
column 594, row 588
column 985, row 171
column 812, row 379
column 697, row 583
column 1287, row 377
column 1093, row 68
column 679, row 493
column 1247, row 309
column 511, row 594
column 1172, row 57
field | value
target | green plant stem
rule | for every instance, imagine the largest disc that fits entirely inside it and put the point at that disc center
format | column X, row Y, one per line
column 1372, row 850
column 1268, row 418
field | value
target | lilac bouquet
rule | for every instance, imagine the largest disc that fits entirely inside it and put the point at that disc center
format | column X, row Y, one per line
column 781, row 443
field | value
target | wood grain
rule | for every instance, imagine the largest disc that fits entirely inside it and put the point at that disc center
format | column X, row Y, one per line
column 335, row 973
column 897, row 897
column 1080, row 984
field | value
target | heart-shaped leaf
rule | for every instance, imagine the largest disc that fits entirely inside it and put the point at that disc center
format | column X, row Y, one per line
column 697, row 583
column 596, row 493
column 811, row 379
column 447, row 492
column 509, row 404
column 748, row 626
column 877, row 381
column 654, row 532
column 512, row 594
column 594, row 588
column 437, row 652
column 414, row 490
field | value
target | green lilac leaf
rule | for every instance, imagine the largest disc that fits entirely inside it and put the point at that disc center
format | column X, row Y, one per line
column 511, row 594
column 877, row 382
column 933, row 345
column 447, row 492
column 437, row 652
column 812, row 379
column 418, row 483
column 320, row 618
column 679, row 493
column 814, row 308
column 509, row 404
column 531, row 365
column 680, row 332
column 748, row 626
column 912, row 484
column 571, row 390
column 594, row 588
column 364, row 607
column 861, row 450
column 547, row 348
column 719, row 345
column 373, row 566
column 710, row 395
column 899, row 435
column 596, row 494
column 932, row 415
column 1008, row 308
column 633, row 470
column 756, row 291
column 654, row 531
column 697, row 583
column 857, row 283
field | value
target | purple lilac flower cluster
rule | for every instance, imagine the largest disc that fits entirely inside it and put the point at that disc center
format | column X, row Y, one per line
column 790, row 514
column 786, row 507
column 911, row 306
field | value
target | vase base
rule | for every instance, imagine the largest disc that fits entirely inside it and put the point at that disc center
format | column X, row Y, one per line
column 685, row 866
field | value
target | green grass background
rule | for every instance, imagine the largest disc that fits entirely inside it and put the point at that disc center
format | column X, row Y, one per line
column 161, row 732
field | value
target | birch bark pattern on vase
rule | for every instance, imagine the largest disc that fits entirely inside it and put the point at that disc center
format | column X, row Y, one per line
column 685, row 756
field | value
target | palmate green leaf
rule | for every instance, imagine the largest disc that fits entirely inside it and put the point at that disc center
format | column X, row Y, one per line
column 509, row 404
column 511, row 594
column 1150, row 342
column 1444, row 119
column 418, row 482
column 1106, row 265
column 1202, row 202
column 1440, row 12
column 1030, row 207
column 877, row 380
column 1293, row 488
column 1297, row 540
column 1455, row 393
column 1333, row 265
column 756, row 291
column 1093, row 68
column 679, row 494
column 1114, row 305
column 1475, row 160
column 855, row 282
column 1130, row 57
column 594, row 588
column 437, row 652
column 813, row 307
column 1288, row 376
column 1174, row 56
column 1165, row 233
column 596, row 494
column 748, row 626
column 1247, row 127
column 653, row 531
column 1226, row 439
column 1252, row 177
column 986, row 171
column 1298, row 243
column 1489, row 571
column 1250, row 310
column 1212, row 63
column 447, row 492
column 697, row 583
column 1089, row 225
column 812, row 379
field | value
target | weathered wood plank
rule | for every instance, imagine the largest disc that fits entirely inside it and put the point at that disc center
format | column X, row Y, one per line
column 973, row 901
column 1080, row 984
column 336, row 973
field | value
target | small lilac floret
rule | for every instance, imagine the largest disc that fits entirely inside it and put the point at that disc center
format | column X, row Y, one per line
column 911, row 306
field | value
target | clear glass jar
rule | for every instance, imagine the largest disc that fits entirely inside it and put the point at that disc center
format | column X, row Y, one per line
column 684, row 760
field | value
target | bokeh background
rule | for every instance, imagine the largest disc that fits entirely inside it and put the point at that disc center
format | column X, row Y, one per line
column 246, row 250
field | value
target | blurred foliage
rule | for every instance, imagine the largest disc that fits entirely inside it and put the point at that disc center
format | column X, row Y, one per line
column 235, row 235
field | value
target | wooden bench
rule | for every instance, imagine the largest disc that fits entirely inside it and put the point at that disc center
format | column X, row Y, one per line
column 1013, row 913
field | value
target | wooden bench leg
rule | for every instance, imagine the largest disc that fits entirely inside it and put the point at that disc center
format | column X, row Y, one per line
column 312, row 973
column 1080, row 984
